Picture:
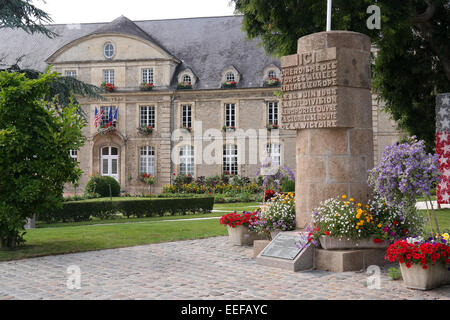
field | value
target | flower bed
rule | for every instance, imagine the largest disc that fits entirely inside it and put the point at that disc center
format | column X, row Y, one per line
column 350, row 220
column 106, row 129
column 108, row 87
column 184, row 85
column 272, row 82
column 229, row 84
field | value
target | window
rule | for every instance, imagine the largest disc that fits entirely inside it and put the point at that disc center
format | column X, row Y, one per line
column 230, row 77
column 147, row 160
column 272, row 112
column 73, row 154
column 187, row 160
column 147, row 75
column 230, row 159
column 147, row 116
column 71, row 73
column 186, row 116
column 272, row 74
column 273, row 151
column 187, row 78
column 108, row 50
column 108, row 76
column 108, row 115
column 230, row 115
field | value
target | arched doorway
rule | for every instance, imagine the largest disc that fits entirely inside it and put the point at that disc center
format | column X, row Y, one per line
column 109, row 162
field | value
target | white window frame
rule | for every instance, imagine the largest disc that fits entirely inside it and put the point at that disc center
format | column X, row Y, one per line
column 272, row 112
column 186, row 154
column 147, row 160
column 109, row 50
column 272, row 74
column 230, row 76
column 107, row 162
column 187, row 78
column 186, row 115
column 71, row 73
column 108, row 76
column 230, row 159
column 230, row 114
column 147, row 75
column 147, row 116
column 273, row 151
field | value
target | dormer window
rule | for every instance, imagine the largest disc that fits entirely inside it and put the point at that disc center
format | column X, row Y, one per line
column 272, row 74
column 109, row 50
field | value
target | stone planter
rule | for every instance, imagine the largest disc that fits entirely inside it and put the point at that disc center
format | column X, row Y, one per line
column 274, row 233
column 425, row 279
column 241, row 236
column 335, row 243
column 258, row 246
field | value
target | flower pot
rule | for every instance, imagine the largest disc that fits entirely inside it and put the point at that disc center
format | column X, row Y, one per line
column 425, row 279
column 336, row 243
column 241, row 236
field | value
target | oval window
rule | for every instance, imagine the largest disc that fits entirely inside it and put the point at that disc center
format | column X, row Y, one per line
column 108, row 50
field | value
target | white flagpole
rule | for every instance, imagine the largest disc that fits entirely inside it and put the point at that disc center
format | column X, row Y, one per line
column 329, row 15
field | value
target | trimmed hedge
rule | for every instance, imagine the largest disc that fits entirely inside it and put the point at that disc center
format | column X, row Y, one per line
column 137, row 207
column 102, row 185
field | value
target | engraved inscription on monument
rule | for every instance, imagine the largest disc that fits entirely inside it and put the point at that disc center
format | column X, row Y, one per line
column 284, row 246
column 309, row 88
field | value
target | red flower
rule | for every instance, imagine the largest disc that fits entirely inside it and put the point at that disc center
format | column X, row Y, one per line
column 376, row 240
column 327, row 233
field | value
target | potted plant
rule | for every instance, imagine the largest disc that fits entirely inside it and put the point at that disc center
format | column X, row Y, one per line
column 108, row 87
column 229, row 84
column 146, row 86
column 145, row 129
column 184, row 127
column 272, row 82
column 106, row 129
column 339, row 224
column 272, row 126
column 279, row 215
column 184, row 85
column 424, row 263
column 229, row 128
column 238, row 227
column 148, row 179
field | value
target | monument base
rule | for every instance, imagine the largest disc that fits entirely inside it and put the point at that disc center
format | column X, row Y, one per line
column 283, row 252
column 347, row 260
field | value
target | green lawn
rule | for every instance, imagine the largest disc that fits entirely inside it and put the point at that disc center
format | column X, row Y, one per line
column 443, row 217
column 116, row 233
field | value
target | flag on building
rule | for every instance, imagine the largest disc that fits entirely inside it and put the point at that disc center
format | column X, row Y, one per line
column 97, row 116
column 443, row 146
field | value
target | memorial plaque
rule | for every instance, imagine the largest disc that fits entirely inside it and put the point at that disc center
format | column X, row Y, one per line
column 284, row 246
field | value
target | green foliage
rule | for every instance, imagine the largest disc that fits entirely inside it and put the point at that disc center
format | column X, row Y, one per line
column 137, row 207
column 35, row 139
column 22, row 14
column 103, row 185
column 394, row 273
column 413, row 61
column 288, row 185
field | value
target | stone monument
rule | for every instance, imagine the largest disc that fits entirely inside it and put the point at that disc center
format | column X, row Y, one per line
column 327, row 99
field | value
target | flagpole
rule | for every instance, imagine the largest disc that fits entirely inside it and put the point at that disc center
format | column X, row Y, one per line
column 329, row 5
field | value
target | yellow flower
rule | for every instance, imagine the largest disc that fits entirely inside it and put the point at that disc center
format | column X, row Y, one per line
column 367, row 206
column 446, row 236
column 351, row 199
column 344, row 196
column 346, row 203
column 357, row 227
column 359, row 204
column 379, row 225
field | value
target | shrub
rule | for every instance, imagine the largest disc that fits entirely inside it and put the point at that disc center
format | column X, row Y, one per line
column 101, row 185
column 288, row 186
column 137, row 207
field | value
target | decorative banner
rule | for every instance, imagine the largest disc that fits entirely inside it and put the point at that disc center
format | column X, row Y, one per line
column 443, row 146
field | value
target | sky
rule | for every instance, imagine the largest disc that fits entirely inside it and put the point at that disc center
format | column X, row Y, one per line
column 84, row 11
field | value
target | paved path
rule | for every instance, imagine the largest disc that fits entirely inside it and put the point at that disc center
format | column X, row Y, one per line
column 198, row 269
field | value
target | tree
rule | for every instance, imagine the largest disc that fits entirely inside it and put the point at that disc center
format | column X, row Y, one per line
column 413, row 60
column 22, row 14
column 35, row 139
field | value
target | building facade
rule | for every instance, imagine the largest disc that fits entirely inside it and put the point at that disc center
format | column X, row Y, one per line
column 189, row 122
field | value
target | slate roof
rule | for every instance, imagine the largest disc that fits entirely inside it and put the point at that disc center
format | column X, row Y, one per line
column 206, row 45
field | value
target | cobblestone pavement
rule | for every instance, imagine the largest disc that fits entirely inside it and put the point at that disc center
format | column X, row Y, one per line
column 200, row 269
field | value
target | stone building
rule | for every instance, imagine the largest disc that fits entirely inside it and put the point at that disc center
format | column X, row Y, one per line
column 203, row 130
